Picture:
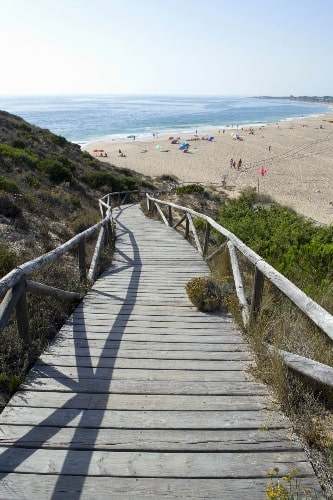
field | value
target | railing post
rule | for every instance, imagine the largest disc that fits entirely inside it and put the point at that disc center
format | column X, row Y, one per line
column 170, row 216
column 206, row 242
column 22, row 317
column 258, row 288
column 109, row 233
column 82, row 259
column 187, row 227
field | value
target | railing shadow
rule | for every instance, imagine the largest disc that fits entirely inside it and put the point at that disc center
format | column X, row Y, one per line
column 12, row 458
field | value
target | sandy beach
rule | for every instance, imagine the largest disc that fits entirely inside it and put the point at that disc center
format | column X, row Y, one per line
column 296, row 155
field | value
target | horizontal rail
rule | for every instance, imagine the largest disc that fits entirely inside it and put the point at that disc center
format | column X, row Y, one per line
column 32, row 266
column 312, row 369
column 317, row 371
column 15, row 284
column 311, row 309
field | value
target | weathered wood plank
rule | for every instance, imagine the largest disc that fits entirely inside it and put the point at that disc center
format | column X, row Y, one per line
column 45, row 486
column 222, row 440
column 119, row 334
column 90, row 342
column 145, row 386
column 129, row 464
column 64, row 400
column 140, row 353
column 111, row 374
column 141, row 364
column 146, row 419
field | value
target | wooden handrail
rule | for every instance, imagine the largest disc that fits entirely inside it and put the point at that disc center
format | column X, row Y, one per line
column 15, row 284
column 322, row 318
column 314, row 311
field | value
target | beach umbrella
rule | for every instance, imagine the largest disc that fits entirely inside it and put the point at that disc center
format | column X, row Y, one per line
column 183, row 146
column 210, row 138
column 95, row 150
column 184, row 143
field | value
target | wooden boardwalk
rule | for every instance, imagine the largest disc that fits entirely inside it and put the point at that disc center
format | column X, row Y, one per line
column 142, row 396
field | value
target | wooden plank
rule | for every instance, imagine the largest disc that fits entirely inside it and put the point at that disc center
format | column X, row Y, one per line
column 42, row 486
column 120, row 334
column 147, row 419
column 142, row 364
column 64, row 400
column 181, row 348
column 130, row 354
column 111, row 374
column 223, row 440
column 145, row 387
column 131, row 464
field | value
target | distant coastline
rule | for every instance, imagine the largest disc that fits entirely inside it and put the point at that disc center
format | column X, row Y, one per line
column 326, row 99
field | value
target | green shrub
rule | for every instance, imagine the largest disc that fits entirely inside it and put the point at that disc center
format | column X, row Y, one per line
column 55, row 170
column 14, row 383
column 296, row 247
column 7, row 260
column 17, row 143
column 32, row 181
column 8, row 208
column 8, row 185
column 25, row 127
column 110, row 181
column 205, row 294
column 18, row 154
column 190, row 189
column 55, row 139
column 75, row 201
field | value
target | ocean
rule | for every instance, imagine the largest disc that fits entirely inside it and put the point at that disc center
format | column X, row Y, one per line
column 87, row 118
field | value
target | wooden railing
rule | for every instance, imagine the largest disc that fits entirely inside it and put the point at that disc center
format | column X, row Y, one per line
column 317, row 371
column 16, row 284
column 118, row 198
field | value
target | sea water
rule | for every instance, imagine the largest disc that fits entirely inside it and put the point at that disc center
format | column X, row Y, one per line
column 86, row 118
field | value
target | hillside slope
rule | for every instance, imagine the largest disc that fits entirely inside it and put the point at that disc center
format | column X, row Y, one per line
column 49, row 188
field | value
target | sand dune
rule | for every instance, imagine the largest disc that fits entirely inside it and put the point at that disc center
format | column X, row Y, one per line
column 297, row 156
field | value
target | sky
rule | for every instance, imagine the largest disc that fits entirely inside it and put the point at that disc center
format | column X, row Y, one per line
column 187, row 47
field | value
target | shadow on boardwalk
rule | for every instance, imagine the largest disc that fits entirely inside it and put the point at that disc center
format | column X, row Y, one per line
column 142, row 395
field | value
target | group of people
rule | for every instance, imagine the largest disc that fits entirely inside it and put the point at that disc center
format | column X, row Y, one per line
column 233, row 164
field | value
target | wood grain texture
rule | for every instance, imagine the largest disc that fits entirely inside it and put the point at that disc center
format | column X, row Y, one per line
column 142, row 396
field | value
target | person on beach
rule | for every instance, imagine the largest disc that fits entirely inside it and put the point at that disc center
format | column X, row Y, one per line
column 239, row 164
column 269, row 148
column 231, row 163
column 234, row 164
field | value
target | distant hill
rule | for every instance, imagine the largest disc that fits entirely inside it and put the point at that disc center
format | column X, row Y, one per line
column 49, row 188
column 326, row 99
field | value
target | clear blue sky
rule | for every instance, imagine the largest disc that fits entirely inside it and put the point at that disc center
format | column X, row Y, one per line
column 215, row 47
